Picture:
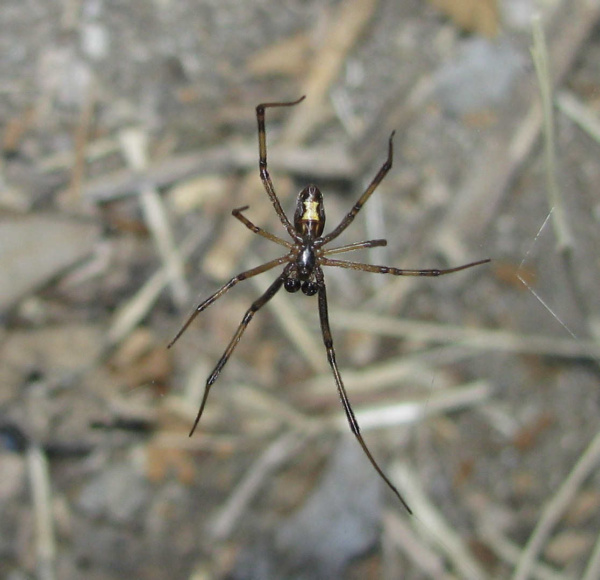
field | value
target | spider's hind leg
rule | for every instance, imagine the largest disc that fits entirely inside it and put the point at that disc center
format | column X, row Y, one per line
column 328, row 340
column 211, row 299
column 256, row 306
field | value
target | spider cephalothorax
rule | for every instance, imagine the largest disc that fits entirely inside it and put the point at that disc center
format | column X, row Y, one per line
column 303, row 269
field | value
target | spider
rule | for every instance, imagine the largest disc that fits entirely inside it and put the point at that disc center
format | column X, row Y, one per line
column 304, row 269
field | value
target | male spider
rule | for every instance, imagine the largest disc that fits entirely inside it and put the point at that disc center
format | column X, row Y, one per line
column 306, row 256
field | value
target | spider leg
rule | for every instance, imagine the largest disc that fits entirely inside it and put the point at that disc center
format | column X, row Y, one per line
column 364, row 197
column 355, row 246
column 328, row 340
column 237, row 213
column 256, row 306
column 262, row 164
column 397, row 271
column 243, row 276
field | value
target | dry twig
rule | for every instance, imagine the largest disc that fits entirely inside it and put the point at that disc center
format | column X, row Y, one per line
column 273, row 457
column 476, row 338
column 433, row 525
column 129, row 314
column 39, row 477
column 134, row 144
column 555, row 508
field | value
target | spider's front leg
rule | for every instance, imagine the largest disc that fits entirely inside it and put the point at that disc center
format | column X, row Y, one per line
column 328, row 340
column 349, row 218
column 262, row 164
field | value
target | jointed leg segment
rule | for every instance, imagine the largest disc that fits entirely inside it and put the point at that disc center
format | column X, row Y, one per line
column 328, row 340
column 365, row 196
column 256, row 306
column 237, row 213
column 355, row 246
column 243, row 276
column 262, row 165
column 396, row 271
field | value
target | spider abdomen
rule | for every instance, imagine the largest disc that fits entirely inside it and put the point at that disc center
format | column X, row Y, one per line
column 309, row 217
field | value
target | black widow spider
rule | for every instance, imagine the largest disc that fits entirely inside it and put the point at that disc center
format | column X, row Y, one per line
column 306, row 256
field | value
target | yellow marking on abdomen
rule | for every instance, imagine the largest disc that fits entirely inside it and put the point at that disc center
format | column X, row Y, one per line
column 311, row 211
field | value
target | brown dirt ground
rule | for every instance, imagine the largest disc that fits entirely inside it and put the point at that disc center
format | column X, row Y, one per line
column 104, row 258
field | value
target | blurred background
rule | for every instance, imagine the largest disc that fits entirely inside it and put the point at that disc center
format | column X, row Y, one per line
column 128, row 135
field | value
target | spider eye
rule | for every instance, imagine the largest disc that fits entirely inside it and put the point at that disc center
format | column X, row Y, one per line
column 309, row 288
column 292, row 285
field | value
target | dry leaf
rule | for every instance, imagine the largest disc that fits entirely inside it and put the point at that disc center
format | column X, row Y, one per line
column 288, row 57
column 37, row 247
column 164, row 461
column 141, row 359
column 509, row 274
column 528, row 436
column 478, row 16
column 586, row 504
column 568, row 546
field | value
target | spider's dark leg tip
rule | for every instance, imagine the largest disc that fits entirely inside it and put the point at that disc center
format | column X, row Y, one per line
column 195, row 424
column 390, row 150
column 296, row 102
